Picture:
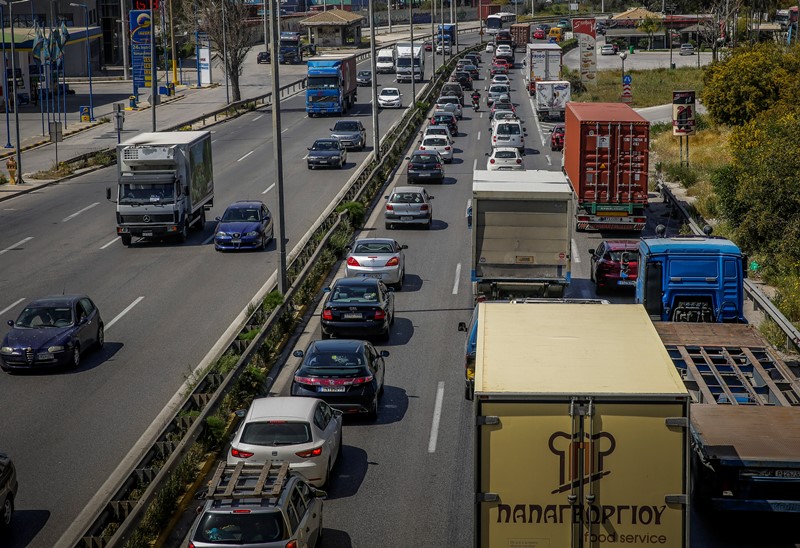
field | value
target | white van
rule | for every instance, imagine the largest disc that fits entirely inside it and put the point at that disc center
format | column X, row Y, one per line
column 410, row 61
column 386, row 60
column 508, row 133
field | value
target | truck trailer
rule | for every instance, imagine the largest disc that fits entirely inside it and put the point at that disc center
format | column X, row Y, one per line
column 543, row 61
column 520, row 35
column 331, row 86
column 606, row 159
column 575, row 446
column 552, row 98
column 165, row 184
column 521, row 234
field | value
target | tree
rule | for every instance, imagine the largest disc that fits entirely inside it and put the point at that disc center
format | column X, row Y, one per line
column 239, row 35
column 650, row 25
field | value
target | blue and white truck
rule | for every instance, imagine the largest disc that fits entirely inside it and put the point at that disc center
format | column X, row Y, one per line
column 331, row 85
column 290, row 48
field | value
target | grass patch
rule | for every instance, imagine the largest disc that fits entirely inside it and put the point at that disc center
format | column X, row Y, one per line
column 650, row 87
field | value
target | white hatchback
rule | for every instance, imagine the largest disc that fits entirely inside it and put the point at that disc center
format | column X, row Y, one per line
column 501, row 79
column 390, row 98
column 504, row 159
column 439, row 144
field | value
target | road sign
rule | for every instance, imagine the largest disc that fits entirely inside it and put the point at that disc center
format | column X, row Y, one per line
column 683, row 112
column 55, row 132
column 626, row 79
column 85, row 114
column 627, row 93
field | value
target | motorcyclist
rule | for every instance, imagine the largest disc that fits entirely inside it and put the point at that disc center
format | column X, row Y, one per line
column 476, row 98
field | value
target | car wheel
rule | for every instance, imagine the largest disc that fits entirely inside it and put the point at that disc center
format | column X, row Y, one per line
column 325, row 335
column 399, row 285
column 7, row 513
column 126, row 240
column 430, row 223
column 101, row 336
column 76, row 357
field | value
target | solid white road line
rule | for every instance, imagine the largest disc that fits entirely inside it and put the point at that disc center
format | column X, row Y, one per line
column 110, row 243
column 87, row 208
column 245, row 156
column 549, row 161
column 458, row 276
column 437, row 416
column 16, row 245
column 270, row 187
column 474, row 164
column 12, row 305
column 575, row 257
column 121, row 314
column 258, row 117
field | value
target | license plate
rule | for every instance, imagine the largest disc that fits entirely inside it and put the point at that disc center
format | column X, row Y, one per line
column 147, row 233
column 236, row 241
column 44, row 356
column 331, row 388
column 351, row 315
column 553, row 113
column 787, row 473
column 323, row 161
column 424, row 174
column 630, row 282
column 376, row 276
column 406, row 217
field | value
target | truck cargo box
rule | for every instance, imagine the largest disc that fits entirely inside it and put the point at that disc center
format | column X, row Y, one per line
column 520, row 34
column 543, row 61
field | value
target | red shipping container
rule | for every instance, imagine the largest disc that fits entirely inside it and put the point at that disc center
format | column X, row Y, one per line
column 606, row 158
column 488, row 9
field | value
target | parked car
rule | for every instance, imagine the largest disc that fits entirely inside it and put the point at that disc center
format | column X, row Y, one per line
column 364, row 78
column 52, row 332
column 450, row 100
column 263, row 57
column 504, row 159
column 390, row 98
column 687, row 49
column 347, row 374
column 8, row 492
column 608, row 49
column 408, row 205
column 424, row 165
column 379, row 258
column 305, row 432
column 557, row 137
column 440, row 145
column 445, row 118
column 351, row 134
column 244, row 225
column 326, row 153
column 615, row 263
column 357, row 307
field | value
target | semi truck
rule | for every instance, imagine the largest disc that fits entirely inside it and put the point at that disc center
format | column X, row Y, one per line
column 447, row 32
column 165, row 184
column 331, row 86
column 552, row 98
column 543, row 61
column 410, row 60
column 745, row 416
column 520, row 35
column 576, row 446
column 521, row 234
column 290, row 48
column 606, row 158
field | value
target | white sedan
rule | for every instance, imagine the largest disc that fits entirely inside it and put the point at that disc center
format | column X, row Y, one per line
column 501, row 79
column 440, row 144
column 489, row 48
column 504, row 159
column 390, row 98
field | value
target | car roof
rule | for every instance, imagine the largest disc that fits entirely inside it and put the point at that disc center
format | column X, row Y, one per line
column 56, row 300
column 336, row 345
column 283, row 407
column 390, row 89
column 243, row 204
column 346, row 121
column 417, row 189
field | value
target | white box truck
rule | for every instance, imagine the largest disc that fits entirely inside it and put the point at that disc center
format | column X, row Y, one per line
column 543, row 61
column 386, row 60
column 409, row 60
column 581, row 429
column 552, row 98
column 522, row 224
column 165, row 184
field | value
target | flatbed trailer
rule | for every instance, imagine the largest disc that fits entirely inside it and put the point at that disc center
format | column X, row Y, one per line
column 745, row 420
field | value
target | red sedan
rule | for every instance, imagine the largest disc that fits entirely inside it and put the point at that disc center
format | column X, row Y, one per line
column 615, row 263
column 539, row 34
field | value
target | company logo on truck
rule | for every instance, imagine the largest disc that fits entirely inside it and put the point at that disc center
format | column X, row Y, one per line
column 593, row 466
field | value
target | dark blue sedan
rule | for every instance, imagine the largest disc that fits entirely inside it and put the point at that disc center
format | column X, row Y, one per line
column 52, row 332
column 244, row 225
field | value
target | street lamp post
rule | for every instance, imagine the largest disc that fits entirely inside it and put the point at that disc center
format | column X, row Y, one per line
column 225, row 54
column 376, row 135
column 623, row 55
column 283, row 278
column 413, row 72
column 14, row 77
column 88, row 55
column 5, row 80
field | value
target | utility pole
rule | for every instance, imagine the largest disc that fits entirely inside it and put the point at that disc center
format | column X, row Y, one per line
column 433, row 38
column 172, row 45
column 413, row 59
column 376, row 135
column 125, row 31
column 225, row 55
column 283, row 280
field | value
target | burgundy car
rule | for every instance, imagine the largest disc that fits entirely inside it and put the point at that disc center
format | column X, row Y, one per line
column 615, row 263
column 557, row 138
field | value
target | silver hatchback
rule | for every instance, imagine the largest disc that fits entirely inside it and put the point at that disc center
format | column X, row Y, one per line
column 408, row 205
column 379, row 258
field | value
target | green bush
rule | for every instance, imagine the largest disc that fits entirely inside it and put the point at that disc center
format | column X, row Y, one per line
column 682, row 174
column 356, row 212
column 570, row 44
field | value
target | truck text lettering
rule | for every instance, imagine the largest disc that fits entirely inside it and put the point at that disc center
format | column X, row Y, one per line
column 566, row 513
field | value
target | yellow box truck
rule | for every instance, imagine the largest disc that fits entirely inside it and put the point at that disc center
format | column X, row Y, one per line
column 581, row 436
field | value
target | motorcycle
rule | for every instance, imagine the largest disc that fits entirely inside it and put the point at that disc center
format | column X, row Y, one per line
column 475, row 103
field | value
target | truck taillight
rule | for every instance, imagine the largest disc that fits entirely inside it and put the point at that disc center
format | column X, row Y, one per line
column 327, row 314
column 351, row 261
column 393, row 262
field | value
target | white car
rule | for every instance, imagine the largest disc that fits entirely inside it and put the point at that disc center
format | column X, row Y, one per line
column 440, row 144
column 503, row 49
column 504, row 159
column 687, row 49
column 439, row 131
column 305, row 432
column 489, row 48
column 607, row 49
column 443, row 48
column 390, row 98
column 501, row 79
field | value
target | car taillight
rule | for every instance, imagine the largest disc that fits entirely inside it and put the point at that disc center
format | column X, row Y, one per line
column 351, row 261
column 519, row 161
column 310, row 453
column 380, row 315
column 327, row 314
column 447, row 148
column 394, row 261
column 491, row 161
column 408, row 167
column 421, row 147
column 423, row 207
column 389, row 207
column 292, row 544
column 494, row 138
column 240, row 454
column 438, row 166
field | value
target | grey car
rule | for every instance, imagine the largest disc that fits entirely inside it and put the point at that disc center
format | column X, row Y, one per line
column 408, row 205
column 8, row 491
column 444, row 100
column 495, row 91
column 364, row 78
column 326, row 153
column 379, row 258
column 351, row 134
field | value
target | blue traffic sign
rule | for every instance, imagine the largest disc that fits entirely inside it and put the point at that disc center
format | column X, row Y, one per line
column 626, row 79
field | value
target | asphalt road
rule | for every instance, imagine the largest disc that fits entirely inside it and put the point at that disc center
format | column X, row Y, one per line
column 164, row 305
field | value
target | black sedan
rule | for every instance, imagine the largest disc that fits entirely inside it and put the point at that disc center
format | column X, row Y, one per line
column 364, row 78
column 425, row 165
column 358, row 307
column 348, row 375
column 52, row 332
column 263, row 57
column 326, row 153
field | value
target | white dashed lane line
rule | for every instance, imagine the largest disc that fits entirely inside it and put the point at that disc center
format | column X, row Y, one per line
column 245, row 156
column 87, row 208
column 119, row 316
column 109, row 243
column 437, row 417
column 12, row 305
column 16, row 245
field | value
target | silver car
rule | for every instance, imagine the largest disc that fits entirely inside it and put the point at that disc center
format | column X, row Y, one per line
column 305, row 432
column 495, row 91
column 408, row 205
column 445, row 100
column 380, row 258
column 439, row 131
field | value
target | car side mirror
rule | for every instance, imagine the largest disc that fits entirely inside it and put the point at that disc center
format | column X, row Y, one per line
column 240, row 413
column 591, row 252
column 326, row 290
column 297, row 353
column 218, row 218
column 404, row 246
column 384, row 353
column 83, row 320
column 462, row 326
column 10, row 322
column 431, row 197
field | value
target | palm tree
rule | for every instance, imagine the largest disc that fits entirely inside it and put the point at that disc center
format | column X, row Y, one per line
column 650, row 25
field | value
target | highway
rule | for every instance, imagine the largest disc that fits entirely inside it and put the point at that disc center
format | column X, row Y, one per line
column 164, row 305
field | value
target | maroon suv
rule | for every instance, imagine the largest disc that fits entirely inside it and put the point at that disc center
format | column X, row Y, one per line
column 615, row 263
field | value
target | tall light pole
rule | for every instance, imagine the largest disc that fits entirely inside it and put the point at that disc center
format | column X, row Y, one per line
column 413, row 72
column 266, row 32
column 225, row 53
column 5, row 80
column 172, row 45
column 88, row 55
column 283, row 280
column 376, row 135
column 389, row 13
column 433, row 38
column 623, row 55
column 197, row 42
column 153, row 71
column 14, row 77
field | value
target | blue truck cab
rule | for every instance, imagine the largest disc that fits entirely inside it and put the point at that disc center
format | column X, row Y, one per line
column 331, row 84
column 691, row 279
column 290, row 48
column 447, row 32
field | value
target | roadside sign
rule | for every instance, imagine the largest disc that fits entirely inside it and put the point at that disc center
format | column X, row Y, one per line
column 627, row 93
column 683, row 113
column 55, row 132
column 626, row 79
column 85, row 115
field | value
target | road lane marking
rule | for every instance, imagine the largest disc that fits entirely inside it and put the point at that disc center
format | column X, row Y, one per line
column 474, row 164
column 12, row 305
column 213, row 141
column 270, row 187
column 575, row 257
column 458, row 276
column 16, row 245
column 109, row 243
column 258, row 117
column 437, row 416
column 549, row 161
column 245, row 156
column 479, row 136
column 119, row 316
column 87, row 208
column 285, row 130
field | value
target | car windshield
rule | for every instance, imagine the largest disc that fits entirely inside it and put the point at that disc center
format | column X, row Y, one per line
column 443, row 118
column 337, row 360
column 434, row 142
column 424, row 158
column 351, row 293
column 436, row 130
column 158, row 193
column 373, row 247
column 498, row 89
column 505, row 154
column 322, row 82
column 276, row 433
column 45, row 316
column 240, row 528
column 346, row 126
column 325, row 145
column 448, row 100
column 233, row 214
column 366, row 73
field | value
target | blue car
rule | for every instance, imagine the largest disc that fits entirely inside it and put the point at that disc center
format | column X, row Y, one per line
column 52, row 332
column 244, row 225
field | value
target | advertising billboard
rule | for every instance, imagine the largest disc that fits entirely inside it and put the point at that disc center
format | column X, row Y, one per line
column 585, row 30
column 683, row 112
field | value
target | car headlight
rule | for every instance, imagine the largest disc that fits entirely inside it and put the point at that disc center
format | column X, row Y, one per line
column 220, row 233
column 252, row 234
column 56, row 349
column 6, row 350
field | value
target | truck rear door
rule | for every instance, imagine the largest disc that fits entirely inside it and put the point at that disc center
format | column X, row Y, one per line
column 581, row 473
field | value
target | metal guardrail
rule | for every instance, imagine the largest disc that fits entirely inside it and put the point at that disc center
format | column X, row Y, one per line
column 752, row 292
column 210, row 390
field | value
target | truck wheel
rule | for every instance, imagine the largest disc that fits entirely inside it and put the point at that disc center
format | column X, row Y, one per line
column 126, row 240
column 201, row 221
